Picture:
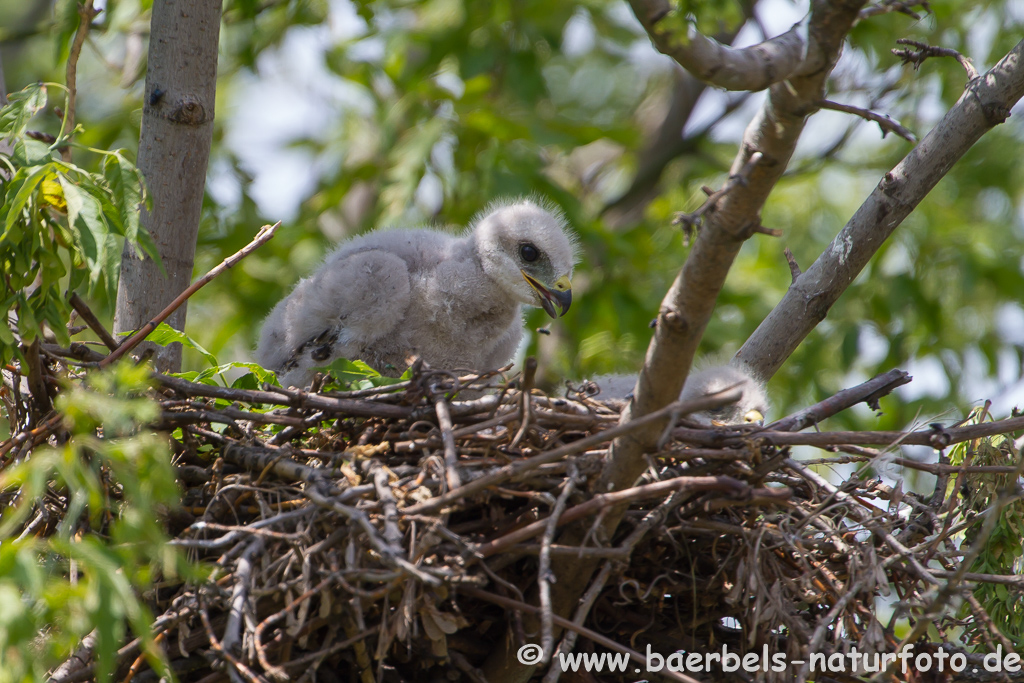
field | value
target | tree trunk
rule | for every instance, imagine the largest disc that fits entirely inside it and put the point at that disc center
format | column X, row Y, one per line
column 177, row 130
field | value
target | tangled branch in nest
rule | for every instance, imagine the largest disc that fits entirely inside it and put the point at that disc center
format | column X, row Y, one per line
column 393, row 533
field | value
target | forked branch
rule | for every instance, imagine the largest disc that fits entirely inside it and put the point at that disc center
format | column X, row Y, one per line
column 924, row 51
column 985, row 104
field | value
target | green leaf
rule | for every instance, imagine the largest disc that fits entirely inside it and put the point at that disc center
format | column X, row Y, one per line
column 21, row 107
column 126, row 187
column 89, row 227
column 65, row 24
column 15, row 206
column 255, row 378
column 164, row 335
column 29, row 152
column 353, row 375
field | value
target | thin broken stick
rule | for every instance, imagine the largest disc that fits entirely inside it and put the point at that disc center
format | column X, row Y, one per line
column 262, row 237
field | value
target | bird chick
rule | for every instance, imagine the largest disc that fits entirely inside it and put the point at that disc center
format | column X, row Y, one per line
column 749, row 409
column 453, row 300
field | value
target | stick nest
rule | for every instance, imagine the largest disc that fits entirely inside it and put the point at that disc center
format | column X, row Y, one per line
column 410, row 533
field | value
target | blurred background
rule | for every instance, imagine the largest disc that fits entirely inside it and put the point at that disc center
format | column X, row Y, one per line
column 336, row 117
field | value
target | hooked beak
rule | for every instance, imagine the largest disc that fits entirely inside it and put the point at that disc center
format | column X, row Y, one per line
column 753, row 417
column 560, row 294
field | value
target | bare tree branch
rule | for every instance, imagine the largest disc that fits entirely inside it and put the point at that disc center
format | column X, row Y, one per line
column 86, row 13
column 691, row 222
column 261, row 238
column 985, row 103
column 687, row 307
column 794, row 53
column 924, row 51
column 888, row 6
column 667, row 142
column 884, row 122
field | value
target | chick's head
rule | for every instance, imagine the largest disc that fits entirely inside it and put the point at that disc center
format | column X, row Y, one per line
column 529, row 251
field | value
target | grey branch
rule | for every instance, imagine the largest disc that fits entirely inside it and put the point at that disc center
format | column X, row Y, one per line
column 888, row 6
column 884, row 122
column 794, row 53
column 174, row 147
column 924, row 51
column 688, row 305
column 985, row 104
column 691, row 222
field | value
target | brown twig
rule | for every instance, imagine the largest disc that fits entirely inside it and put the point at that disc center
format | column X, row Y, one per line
column 544, row 576
column 691, row 222
column 869, row 391
column 451, row 456
column 37, row 380
column 239, row 595
column 86, row 314
column 32, row 436
column 794, row 268
column 526, row 402
column 297, row 399
column 884, row 122
column 86, row 13
column 645, row 492
column 924, row 51
column 523, row 466
column 263, row 236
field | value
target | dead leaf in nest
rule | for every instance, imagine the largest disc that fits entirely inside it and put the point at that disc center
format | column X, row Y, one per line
column 736, row 591
column 446, row 621
column 404, row 612
column 881, row 579
column 183, row 633
column 439, row 648
column 873, row 639
column 419, row 494
column 350, row 474
column 362, row 452
column 773, row 608
column 437, row 625
column 430, row 626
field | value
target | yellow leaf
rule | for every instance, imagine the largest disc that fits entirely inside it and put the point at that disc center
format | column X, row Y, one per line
column 52, row 194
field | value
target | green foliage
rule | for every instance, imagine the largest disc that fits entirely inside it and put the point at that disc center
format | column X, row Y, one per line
column 63, row 227
column 215, row 375
column 114, row 482
column 344, row 375
column 348, row 375
column 1003, row 550
column 488, row 100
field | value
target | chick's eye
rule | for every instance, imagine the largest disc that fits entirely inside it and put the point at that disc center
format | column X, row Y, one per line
column 529, row 253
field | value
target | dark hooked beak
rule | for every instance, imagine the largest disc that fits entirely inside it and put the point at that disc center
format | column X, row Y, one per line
column 560, row 294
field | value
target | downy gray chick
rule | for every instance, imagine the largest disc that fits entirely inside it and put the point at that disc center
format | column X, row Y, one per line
column 749, row 409
column 453, row 300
